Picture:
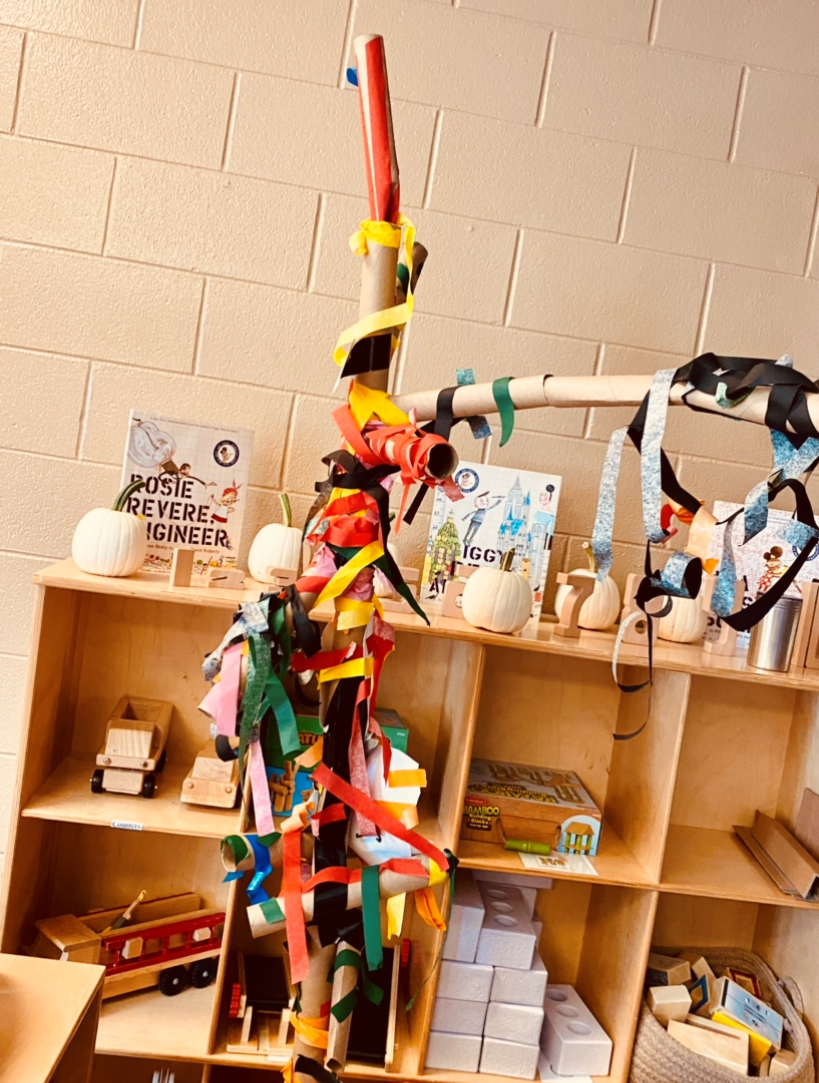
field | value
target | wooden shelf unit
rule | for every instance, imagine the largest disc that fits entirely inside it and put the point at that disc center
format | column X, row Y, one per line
column 721, row 740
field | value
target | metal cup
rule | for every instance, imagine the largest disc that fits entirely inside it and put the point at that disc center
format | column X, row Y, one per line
column 773, row 638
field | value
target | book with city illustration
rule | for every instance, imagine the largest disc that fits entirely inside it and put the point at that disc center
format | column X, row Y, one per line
column 195, row 492
column 501, row 509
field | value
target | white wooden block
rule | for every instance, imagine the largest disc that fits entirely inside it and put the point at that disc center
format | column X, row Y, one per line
column 507, row 938
column 454, row 1052
column 509, row 1058
column 458, row 1016
column 465, row 921
column 548, row 1076
column 514, row 879
column 465, row 981
column 514, row 1022
column 520, row 986
column 572, row 1040
column 669, row 1002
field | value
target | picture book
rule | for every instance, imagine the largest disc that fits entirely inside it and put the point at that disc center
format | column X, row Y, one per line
column 762, row 560
column 196, row 479
column 502, row 509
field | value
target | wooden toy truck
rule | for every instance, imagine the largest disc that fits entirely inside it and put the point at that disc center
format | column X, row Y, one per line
column 170, row 934
column 211, row 781
column 134, row 750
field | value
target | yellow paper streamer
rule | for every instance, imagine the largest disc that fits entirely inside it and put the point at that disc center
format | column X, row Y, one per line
column 345, row 576
column 354, row 614
column 428, row 910
column 313, row 1034
column 395, row 915
column 407, row 778
column 356, row 667
column 366, row 401
column 388, row 236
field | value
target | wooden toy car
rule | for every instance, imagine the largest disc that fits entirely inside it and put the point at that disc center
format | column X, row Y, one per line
column 134, row 750
column 169, row 933
column 211, row 781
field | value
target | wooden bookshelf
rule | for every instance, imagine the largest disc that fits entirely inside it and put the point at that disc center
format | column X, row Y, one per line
column 721, row 740
column 49, row 1019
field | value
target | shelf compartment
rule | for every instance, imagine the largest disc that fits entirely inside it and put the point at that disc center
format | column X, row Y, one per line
column 148, row 1024
column 67, row 795
column 717, row 864
column 614, row 863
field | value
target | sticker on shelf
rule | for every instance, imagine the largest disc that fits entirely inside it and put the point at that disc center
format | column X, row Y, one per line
column 126, row 825
column 577, row 864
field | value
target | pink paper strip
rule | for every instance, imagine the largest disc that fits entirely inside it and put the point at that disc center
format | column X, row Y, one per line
column 229, row 697
column 261, row 792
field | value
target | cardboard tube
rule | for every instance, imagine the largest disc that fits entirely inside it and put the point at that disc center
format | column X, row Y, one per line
column 389, row 883
column 345, row 980
column 313, row 995
column 378, row 268
column 529, row 392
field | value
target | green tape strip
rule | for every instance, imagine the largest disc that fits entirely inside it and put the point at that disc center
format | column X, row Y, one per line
column 345, row 1005
column 238, row 847
column 257, row 680
column 273, row 913
column 371, row 908
column 348, row 957
column 268, row 840
column 506, row 408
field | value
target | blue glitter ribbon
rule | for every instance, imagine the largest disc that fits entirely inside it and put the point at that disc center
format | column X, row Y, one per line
column 604, row 519
column 650, row 454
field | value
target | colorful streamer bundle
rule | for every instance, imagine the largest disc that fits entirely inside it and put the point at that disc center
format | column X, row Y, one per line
column 795, row 455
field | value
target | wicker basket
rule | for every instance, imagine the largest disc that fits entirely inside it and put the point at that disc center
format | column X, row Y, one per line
column 658, row 1058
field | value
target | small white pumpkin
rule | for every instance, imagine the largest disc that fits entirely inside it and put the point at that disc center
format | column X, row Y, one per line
column 110, row 541
column 686, row 623
column 276, row 546
column 602, row 608
column 497, row 598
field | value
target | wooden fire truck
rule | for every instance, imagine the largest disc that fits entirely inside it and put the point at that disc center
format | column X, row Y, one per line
column 173, row 942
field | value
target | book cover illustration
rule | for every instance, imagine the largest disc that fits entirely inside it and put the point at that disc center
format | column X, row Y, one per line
column 761, row 561
column 502, row 509
column 196, row 479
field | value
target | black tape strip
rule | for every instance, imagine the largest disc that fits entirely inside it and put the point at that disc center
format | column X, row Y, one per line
column 369, row 355
column 441, row 425
column 307, row 1066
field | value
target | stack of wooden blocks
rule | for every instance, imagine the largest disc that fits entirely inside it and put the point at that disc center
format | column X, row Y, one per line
column 722, row 1018
column 494, row 1012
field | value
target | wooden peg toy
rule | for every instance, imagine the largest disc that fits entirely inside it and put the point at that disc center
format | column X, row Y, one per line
column 225, row 578
column 637, row 632
column 181, row 568
column 582, row 587
column 726, row 643
column 453, row 590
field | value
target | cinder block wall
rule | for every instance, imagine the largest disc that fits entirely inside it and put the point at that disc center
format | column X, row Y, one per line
column 605, row 186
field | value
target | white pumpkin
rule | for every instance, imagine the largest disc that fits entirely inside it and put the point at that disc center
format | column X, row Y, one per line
column 496, row 598
column 110, row 541
column 602, row 608
column 277, row 546
column 686, row 623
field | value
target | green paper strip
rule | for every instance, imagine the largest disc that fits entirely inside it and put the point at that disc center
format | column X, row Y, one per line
column 268, row 840
column 257, row 680
column 237, row 846
column 273, row 913
column 279, row 703
column 345, row 1005
column 506, row 408
column 371, row 908
column 348, row 957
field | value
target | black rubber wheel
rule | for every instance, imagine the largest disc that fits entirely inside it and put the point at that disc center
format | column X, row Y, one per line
column 224, row 749
column 96, row 781
column 203, row 972
column 148, row 786
column 173, row 980
column 160, row 763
